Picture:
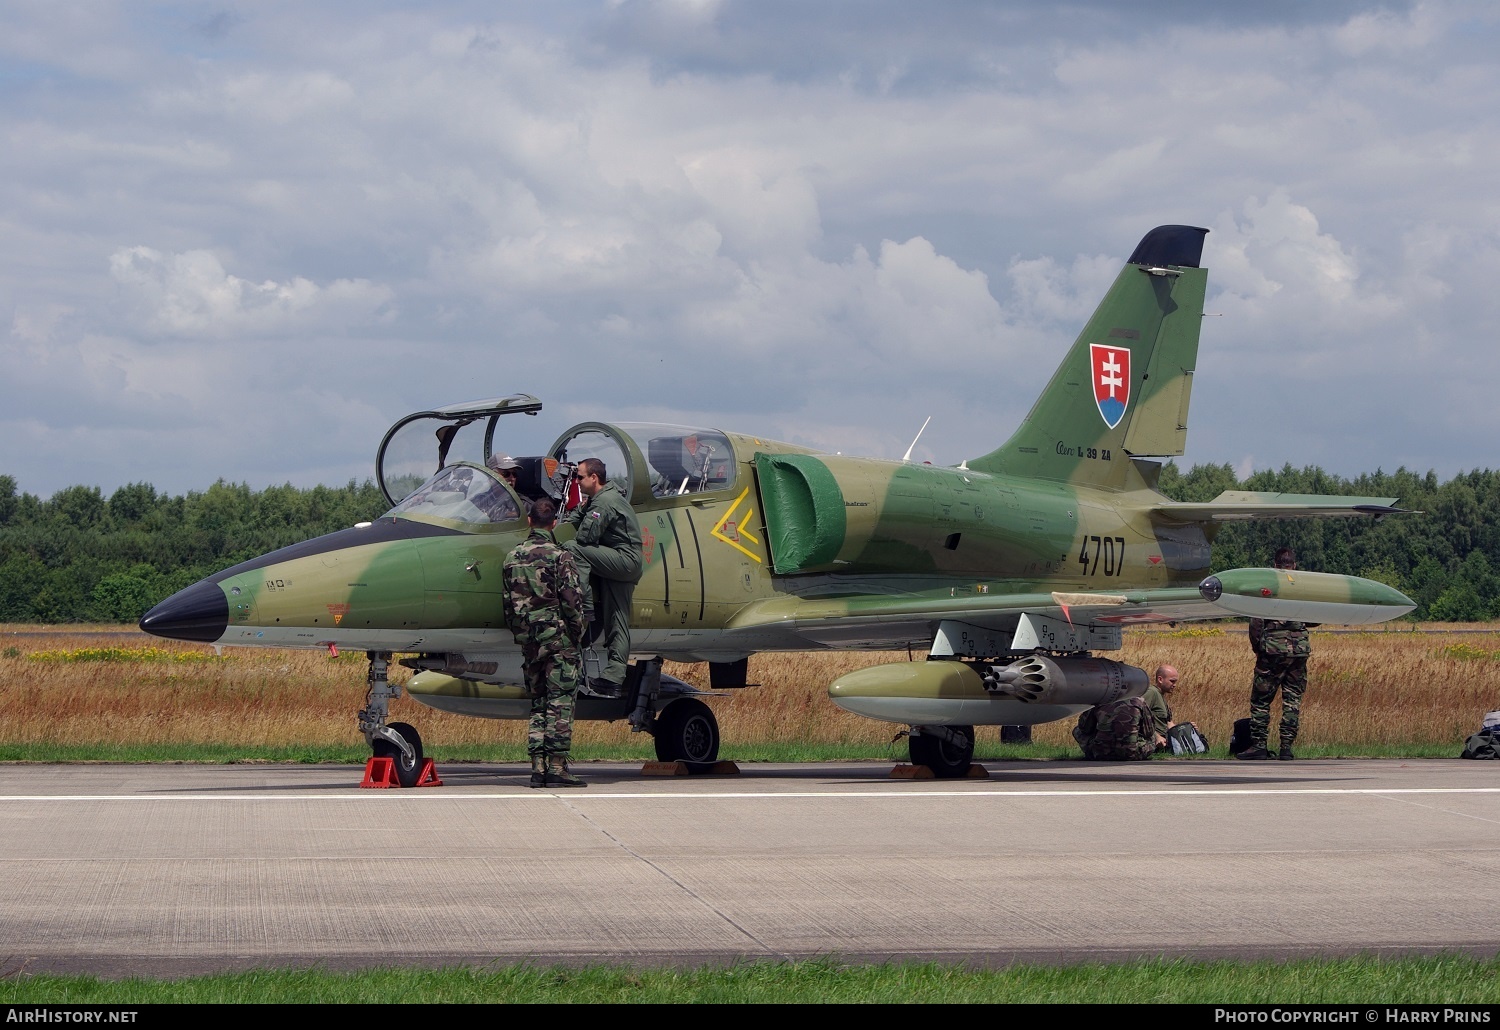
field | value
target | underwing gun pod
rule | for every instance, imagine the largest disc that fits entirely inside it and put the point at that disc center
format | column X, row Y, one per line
column 1009, row 569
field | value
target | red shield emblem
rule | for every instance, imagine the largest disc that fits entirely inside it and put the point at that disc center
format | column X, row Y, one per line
column 1111, row 371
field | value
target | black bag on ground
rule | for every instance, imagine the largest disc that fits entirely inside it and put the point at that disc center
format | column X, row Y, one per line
column 1240, row 739
column 1480, row 745
column 1184, row 739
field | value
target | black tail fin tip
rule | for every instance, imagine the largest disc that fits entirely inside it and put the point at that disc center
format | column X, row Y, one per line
column 1180, row 245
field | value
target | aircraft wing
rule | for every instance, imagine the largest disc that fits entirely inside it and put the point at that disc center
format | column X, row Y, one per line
column 1236, row 505
column 884, row 621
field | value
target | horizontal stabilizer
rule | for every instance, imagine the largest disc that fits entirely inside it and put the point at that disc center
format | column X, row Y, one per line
column 1238, row 505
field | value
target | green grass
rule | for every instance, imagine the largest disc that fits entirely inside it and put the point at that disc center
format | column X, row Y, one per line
column 1439, row 980
column 355, row 754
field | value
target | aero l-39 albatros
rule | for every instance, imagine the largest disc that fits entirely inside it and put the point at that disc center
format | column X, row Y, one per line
column 1008, row 569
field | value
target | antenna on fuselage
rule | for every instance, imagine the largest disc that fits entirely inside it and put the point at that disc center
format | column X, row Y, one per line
column 907, row 455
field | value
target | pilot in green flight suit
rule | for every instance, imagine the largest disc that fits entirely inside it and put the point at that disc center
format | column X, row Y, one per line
column 608, row 548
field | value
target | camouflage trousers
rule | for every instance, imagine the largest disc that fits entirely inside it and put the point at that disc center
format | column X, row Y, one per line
column 1133, row 751
column 1287, row 674
column 553, row 681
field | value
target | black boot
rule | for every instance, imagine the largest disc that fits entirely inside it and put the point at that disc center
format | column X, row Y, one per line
column 558, row 774
column 538, row 770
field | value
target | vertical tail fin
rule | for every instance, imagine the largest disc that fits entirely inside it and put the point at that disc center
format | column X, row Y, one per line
column 1122, row 391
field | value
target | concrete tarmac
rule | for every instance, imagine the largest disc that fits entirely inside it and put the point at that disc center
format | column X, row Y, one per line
column 173, row 870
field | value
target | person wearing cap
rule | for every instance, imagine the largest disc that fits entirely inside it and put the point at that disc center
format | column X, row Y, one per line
column 509, row 470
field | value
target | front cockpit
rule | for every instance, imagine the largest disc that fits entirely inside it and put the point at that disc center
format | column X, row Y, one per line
column 460, row 493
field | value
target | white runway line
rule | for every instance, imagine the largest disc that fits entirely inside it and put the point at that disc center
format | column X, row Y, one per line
column 417, row 794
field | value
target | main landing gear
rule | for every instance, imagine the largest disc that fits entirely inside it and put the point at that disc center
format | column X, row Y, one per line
column 947, row 750
column 686, row 731
column 683, row 727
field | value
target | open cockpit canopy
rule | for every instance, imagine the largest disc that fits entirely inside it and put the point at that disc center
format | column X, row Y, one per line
column 425, row 442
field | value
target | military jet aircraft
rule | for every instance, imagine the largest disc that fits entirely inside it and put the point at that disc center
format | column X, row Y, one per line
column 1008, row 570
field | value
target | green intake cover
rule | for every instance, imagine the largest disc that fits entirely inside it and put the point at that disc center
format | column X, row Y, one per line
column 804, row 510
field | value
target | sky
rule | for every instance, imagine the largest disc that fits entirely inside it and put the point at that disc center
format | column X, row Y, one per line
column 238, row 241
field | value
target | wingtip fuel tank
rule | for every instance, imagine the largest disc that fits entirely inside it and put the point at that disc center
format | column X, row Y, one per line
column 1305, row 596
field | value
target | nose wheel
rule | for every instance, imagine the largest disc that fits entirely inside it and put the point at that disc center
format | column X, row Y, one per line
column 408, row 766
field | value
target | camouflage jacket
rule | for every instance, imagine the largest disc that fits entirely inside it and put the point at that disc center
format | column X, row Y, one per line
column 1280, row 639
column 607, row 520
column 543, row 597
column 1118, row 730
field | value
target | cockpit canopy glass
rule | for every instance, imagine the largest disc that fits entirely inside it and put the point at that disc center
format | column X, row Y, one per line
column 678, row 459
column 683, row 460
column 460, row 493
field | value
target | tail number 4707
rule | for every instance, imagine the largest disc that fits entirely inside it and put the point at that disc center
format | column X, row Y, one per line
column 1102, row 554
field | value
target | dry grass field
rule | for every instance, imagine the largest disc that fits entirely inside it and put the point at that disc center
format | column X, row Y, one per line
column 1393, row 685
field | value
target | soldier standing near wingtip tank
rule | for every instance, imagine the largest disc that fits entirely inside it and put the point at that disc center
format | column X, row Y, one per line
column 1281, row 652
column 543, row 603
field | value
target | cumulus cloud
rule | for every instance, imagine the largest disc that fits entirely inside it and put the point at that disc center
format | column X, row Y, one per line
column 776, row 218
column 191, row 294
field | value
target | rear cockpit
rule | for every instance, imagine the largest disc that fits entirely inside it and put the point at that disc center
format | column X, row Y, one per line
column 666, row 460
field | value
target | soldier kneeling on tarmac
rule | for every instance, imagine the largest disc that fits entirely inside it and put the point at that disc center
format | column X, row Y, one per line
column 1121, row 731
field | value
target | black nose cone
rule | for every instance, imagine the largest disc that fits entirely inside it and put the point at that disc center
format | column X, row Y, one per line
column 200, row 612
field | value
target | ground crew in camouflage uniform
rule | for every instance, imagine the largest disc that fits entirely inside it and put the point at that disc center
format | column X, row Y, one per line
column 544, row 609
column 1281, row 651
column 608, row 548
column 1120, row 731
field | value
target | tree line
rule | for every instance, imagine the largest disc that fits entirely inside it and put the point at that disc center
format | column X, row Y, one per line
column 82, row 557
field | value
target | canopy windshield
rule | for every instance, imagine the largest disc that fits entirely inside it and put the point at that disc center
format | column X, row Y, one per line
column 461, row 493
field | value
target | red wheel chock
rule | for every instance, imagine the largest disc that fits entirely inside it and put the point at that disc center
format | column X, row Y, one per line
column 380, row 771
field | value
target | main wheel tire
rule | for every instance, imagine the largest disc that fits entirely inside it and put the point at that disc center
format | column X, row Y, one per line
column 946, row 760
column 686, row 731
column 407, row 769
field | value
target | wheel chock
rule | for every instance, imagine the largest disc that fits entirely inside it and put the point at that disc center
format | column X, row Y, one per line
column 380, row 771
column 682, row 769
column 428, row 777
column 912, row 772
column 921, row 772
